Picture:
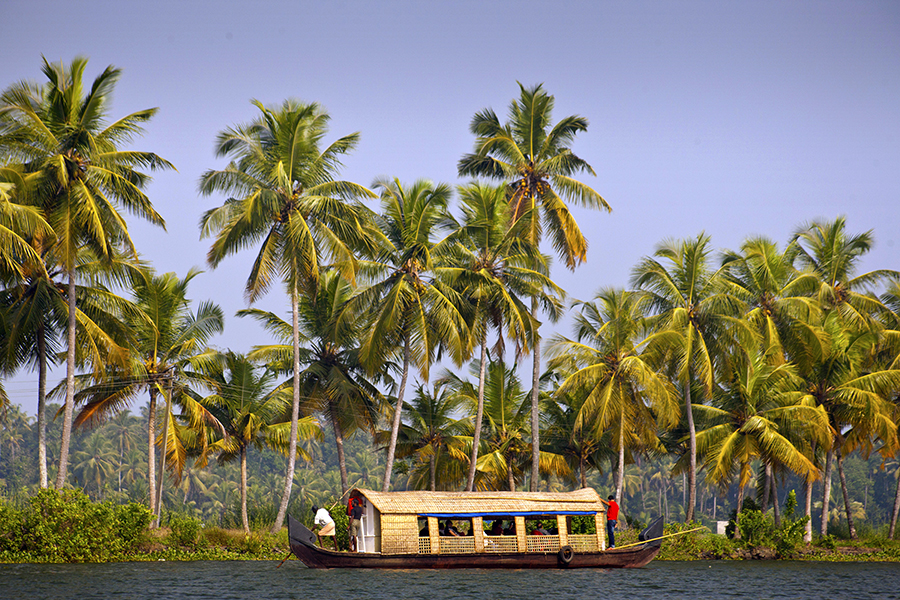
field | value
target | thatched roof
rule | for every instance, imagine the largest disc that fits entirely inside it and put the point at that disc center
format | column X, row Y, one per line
column 483, row 503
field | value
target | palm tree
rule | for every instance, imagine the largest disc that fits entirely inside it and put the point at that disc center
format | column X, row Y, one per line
column 332, row 379
column 537, row 164
column 494, row 267
column 620, row 389
column 167, row 335
column 506, row 449
column 757, row 416
column 282, row 190
column 79, row 178
column 692, row 317
column 412, row 313
column 248, row 410
column 838, row 378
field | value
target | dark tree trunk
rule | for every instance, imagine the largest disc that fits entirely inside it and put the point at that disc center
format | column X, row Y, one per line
column 479, row 414
column 840, row 463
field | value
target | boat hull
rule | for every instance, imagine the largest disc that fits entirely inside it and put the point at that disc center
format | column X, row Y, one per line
column 303, row 547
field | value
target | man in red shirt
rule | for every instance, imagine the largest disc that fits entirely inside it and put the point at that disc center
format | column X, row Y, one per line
column 612, row 515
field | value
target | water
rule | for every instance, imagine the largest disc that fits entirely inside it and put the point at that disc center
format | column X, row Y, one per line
column 251, row 580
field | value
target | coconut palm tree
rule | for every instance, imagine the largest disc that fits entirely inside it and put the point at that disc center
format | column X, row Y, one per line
column 412, row 313
column 694, row 320
column 620, row 389
column 333, row 382
column 79, row 178
column 832, row 256
column 431, row 433
column 249, row 410
column 535, row 160
column 494, row 267
column 757, row 416
column 167, row 335
column 283, row 191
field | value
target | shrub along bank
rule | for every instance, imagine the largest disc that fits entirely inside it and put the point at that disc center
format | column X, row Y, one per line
column 64, row 527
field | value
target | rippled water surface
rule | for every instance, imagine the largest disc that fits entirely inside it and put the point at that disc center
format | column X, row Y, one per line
column 252, row 580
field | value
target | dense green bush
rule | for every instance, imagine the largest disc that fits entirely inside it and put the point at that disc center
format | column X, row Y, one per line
column 184, row 530
column 67, row 527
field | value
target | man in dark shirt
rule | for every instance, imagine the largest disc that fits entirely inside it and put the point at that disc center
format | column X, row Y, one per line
column 356, row 513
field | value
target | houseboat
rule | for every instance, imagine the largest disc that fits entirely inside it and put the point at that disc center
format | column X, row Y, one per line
column 444, row 530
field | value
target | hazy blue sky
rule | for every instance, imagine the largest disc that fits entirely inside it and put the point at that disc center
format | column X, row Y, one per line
column 733, row 118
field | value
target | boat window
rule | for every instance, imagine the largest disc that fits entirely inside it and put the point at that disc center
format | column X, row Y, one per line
column 582, row 524
column 455, row 527
column 544, row 525
column 423, row 527
column 499, row 526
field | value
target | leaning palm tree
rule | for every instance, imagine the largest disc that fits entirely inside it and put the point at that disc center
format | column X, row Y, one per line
column 621, row 389
column 694, row 320
column 167, row 335
column 412, row 313
column 282, row 191
column 494, row 267
column 249, row 410
column 333, row 382
column 79, row 178
column 533, row 157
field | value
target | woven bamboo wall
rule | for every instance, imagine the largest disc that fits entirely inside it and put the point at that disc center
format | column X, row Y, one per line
column 600, row 522
column 520, row 534
column 399, row 534
column 478, row 533
column 563, row 526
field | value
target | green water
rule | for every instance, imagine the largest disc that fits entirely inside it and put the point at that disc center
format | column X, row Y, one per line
column 252, row 580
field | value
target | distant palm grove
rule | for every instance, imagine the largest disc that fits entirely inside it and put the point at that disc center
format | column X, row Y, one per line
column 412, row 356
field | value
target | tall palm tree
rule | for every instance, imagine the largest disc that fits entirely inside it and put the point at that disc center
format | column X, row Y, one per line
column 250, row 411
column 283, row 192
column 620, row 389
column 535, row 160
column 167, row 335
column 79, row 178
column 333, row 382
column 494, row 267
column 692, row 316
column 412, row 313
column 849, row 322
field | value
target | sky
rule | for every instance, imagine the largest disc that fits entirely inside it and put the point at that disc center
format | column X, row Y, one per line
column 736, row 119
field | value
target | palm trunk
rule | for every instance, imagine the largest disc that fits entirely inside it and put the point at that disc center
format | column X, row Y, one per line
column 775, row 508
column 620, row 470
column 295, row 415
column 42, row 405
column 840, row 464
column 244, row 520
column 432, row 469
column 692, row 473
column 826, row 493
column 896, row 510
column 339, row 442
column 162, row 461
column 151, row 451
column 582, row 468
column 398, row 412
column 511, row 476
column 740, row 505
column 807, row 529
column 535, row 407
column 767, row 488
column 479, row 414
column 70, row 385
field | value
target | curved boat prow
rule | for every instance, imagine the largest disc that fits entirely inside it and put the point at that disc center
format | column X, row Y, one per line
column 299, row 534
column 653, row 532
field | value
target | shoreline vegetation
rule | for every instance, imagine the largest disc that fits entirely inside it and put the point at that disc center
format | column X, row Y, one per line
column 67, row 527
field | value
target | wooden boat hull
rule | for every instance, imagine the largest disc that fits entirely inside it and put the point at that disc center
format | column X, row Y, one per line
column 303, row 547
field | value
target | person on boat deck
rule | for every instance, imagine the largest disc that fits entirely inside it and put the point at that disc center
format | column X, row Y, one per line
column 496, row 528
column 356, row 514
column 324, row 525
column 451, row 530
column 612, row 515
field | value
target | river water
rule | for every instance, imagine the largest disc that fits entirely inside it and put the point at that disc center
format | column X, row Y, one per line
column 261, row 579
